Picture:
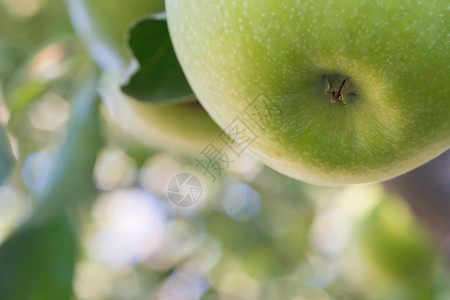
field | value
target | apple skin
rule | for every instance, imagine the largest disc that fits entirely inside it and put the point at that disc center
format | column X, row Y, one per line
column 184, row 128
column 394, row 53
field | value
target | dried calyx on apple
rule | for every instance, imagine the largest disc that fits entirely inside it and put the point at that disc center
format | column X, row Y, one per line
column 340, row 87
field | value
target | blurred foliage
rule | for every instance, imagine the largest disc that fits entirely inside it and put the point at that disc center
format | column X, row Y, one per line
column 70, row 179
column 46, row 241
column 24, row 27
column 6, row 158
column 83, row 206
column 161, row 127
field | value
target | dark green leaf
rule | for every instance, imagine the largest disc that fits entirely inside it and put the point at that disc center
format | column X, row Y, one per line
column 6, row 158
column 38, row 262
column 160, row 78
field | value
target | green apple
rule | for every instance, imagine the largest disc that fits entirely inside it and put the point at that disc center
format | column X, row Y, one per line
column 328, row 92
column 399, row 256
column 103, row 24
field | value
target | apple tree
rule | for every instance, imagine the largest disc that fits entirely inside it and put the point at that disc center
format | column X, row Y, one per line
column 211, row 149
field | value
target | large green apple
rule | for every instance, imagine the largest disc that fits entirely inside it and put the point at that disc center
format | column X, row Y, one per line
column 326, row 91
column 103, row 24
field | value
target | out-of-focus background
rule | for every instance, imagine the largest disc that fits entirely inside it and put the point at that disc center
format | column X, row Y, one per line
column 85, row 173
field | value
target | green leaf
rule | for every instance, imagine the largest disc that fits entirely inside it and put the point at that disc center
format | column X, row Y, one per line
column 6, row 157
column 159, row 78
column 38, row 260
column 25, row 95
column 38, row 263
column 71, row 178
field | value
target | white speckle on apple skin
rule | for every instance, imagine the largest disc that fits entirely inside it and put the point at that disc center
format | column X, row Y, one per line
column 396, row 52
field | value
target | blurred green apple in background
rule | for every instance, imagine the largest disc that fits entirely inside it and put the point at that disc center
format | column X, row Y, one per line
column 328, row 92
column 103, row 25
column 112, row 19
column 396, row 244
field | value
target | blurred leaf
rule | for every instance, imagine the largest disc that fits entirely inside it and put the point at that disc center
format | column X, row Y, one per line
column 160, row 78
column 71, row 178
column 6, row 157
column 49, row 21
column 38, row 263
column 21, row 35
column 12, row 55
column 25, row 95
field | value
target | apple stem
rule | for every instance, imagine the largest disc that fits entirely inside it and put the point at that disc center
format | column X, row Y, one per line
column 342, row 85
column 337, row 95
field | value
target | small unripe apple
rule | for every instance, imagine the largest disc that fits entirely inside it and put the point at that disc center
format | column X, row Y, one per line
column 345, row 91
column 110, row 20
